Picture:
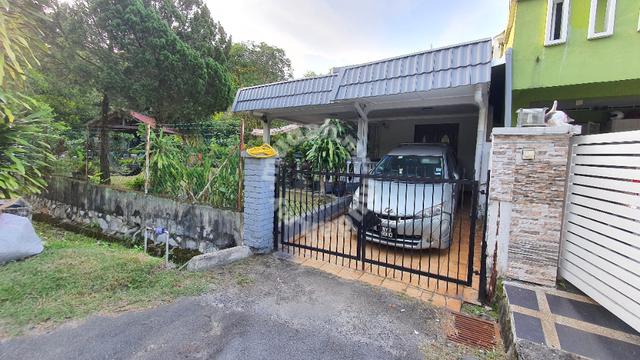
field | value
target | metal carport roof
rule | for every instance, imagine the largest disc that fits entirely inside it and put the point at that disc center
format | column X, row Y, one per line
column 422, row 72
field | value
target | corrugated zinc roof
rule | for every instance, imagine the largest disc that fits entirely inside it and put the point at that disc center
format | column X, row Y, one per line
column 458, row 65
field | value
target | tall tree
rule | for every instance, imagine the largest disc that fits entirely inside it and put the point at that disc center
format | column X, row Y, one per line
column 131, row 55
column 191, row 20
column 254, row 64
column 258, row 63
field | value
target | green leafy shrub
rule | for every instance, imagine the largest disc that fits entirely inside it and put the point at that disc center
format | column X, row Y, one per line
column 332, row 146
column 136, row 183
column 25, row 147
column 194, row 172
column 26, row 127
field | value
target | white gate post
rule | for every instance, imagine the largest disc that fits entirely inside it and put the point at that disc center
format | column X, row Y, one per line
column 259, row 203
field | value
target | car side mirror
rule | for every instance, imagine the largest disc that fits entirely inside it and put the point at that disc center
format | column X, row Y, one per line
column 456, row 175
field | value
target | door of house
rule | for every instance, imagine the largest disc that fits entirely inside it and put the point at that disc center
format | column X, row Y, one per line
column 437, row 134
column 601, row 233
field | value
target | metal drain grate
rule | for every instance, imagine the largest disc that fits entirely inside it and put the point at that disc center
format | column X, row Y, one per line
column 472, row 331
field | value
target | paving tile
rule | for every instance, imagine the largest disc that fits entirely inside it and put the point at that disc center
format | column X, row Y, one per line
column 528, row 328
column 522, row 297
column 394, row 285
column 371, row 279
column 595, row 346
column 332, row 269
column 438, row 300
column 470, row 294
column 591, row 313
column 350, row 274
column 298, row 259
column 314, row 263
column 414, row 292
column 427, row 295
column 452, row 290
column 454, row 304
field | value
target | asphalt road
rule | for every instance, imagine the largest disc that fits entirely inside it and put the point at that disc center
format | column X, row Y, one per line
column 262, row 308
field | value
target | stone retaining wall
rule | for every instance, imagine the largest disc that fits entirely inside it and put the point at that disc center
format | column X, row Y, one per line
column 121, row 214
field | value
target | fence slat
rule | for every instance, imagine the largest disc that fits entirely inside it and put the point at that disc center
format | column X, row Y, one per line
column 618, row 222
column 617, row 234
column 608, row 149
column 610, row 184
column 617, row 137
column 606, row 206
column 625, row 161
column 592, row 265
column 606, row 195
column 612, row 244
column 629, row 174
column 624, row 263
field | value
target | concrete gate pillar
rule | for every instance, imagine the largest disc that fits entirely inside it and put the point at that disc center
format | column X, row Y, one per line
column 526, row 202
column 259, row 203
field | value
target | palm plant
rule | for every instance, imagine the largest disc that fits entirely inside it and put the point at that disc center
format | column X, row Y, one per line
column 331, row 146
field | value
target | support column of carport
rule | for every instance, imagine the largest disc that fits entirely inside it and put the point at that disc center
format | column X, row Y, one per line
column 266, row 129
column 363, row 132
column 481, row 162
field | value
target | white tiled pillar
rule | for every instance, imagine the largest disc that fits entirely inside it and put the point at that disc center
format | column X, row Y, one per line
column 259, row 203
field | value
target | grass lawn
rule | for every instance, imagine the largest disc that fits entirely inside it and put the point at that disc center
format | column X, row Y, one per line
column 77, row 275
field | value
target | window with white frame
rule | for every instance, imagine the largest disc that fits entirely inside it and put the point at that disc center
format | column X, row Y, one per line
column 557, row 22
column 602, row 18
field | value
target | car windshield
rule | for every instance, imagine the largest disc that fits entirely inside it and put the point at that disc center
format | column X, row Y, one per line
column 411, row 165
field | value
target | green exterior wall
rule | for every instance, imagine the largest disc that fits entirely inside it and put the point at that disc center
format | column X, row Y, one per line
column 603, row 90
column 579, row 60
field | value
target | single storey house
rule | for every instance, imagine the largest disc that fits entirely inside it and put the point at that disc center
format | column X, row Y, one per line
column 436, row 95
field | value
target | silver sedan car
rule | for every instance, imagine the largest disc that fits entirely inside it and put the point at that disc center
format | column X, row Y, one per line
column 409, row 213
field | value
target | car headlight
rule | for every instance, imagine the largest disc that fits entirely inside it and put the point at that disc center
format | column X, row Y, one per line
column 429, row 212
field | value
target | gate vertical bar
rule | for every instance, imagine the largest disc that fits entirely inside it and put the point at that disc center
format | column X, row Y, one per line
column 482, row 291
column 472, row 233
column 363, row 226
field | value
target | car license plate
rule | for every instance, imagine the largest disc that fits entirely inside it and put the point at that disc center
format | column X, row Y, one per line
column 386, row 232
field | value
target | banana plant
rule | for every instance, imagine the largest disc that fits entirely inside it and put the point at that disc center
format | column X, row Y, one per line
column 26, row 126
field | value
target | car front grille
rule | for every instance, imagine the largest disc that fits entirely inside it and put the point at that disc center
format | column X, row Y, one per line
column 394, row 218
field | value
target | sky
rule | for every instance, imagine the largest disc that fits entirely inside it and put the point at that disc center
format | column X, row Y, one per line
column 320, row 34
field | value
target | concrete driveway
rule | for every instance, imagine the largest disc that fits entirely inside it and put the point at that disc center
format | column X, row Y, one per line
column 261, row 308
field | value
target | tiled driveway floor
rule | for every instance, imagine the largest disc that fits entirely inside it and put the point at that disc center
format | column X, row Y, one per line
column 338, row 237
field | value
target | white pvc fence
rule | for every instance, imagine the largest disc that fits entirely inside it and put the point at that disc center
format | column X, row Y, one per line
column 601, row 236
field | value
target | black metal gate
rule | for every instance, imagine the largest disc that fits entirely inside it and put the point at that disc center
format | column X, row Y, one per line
column 420, row 229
